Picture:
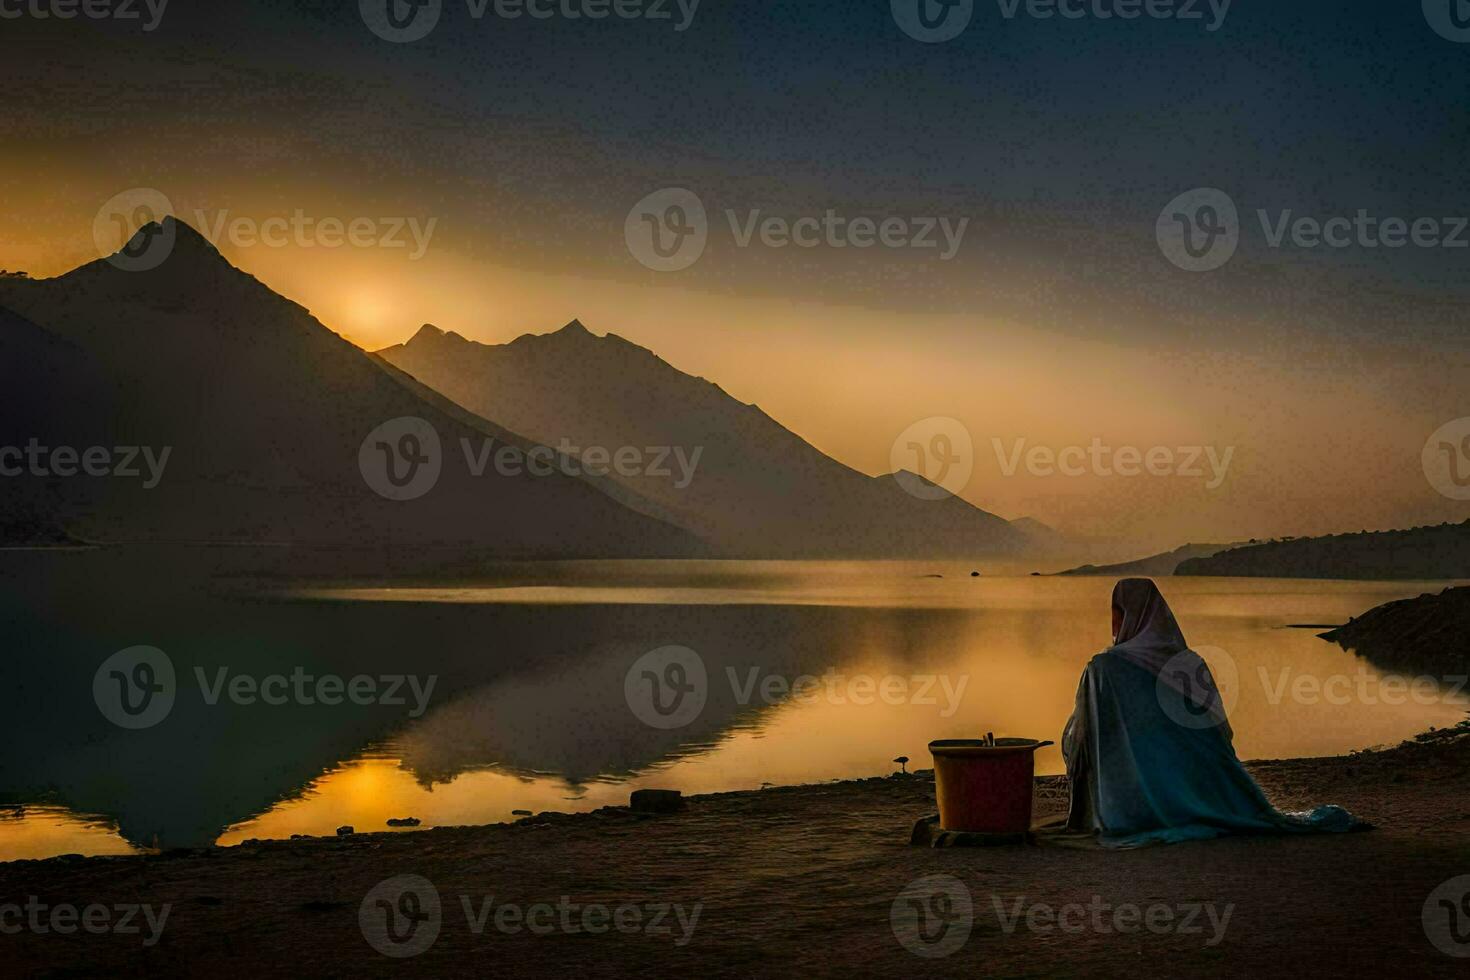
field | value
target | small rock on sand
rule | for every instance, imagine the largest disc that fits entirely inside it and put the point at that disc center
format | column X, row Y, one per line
column 344, row 830
column 656, row 801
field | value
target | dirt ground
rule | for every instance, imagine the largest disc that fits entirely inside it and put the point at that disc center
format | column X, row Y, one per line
column 792, row 881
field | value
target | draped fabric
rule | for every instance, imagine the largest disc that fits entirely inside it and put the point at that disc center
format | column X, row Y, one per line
column 1149, row 749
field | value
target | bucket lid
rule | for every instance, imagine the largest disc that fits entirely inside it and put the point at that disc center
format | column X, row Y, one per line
column 978, row 746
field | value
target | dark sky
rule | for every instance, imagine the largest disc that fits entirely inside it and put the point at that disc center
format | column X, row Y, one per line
column 1059, row 139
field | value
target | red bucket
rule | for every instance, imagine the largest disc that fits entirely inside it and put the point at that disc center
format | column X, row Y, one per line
column 985, row 787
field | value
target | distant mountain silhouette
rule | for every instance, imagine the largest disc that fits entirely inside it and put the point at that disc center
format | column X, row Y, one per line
column 1161, row 564
column 1440, row 552
column 757, row 488
column 265, row 411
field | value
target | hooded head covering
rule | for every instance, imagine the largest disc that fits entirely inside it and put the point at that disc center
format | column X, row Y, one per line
column 1148, row 631
column 1149, row 637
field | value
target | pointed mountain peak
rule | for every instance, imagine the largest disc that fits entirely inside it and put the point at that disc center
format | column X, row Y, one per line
column 433, row 338
column 570, row 336
column 186, row 236
column 575, row 329
column 178, row 237
column 173, row 257
column 918, row 485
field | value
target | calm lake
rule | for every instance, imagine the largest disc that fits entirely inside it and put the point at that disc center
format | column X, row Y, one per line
column 298, row 708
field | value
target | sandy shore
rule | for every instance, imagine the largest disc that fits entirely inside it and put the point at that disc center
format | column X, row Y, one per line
column 798, row 879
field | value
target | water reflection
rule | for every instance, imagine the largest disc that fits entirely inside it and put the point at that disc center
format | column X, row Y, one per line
column 529, row 710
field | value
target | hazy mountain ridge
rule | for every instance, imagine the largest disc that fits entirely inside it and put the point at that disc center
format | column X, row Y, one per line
column 1436, row 552
column 264, row 410
column 1161, row 564
column 759, row 490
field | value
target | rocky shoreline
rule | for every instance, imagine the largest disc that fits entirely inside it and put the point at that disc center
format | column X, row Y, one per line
column 1429, row 633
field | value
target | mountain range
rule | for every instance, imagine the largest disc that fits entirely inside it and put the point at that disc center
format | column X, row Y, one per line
column 1438, row 552
column 257, row 424
column 221, row 412
column 1154, row 565
column 758, row 489
column 265, row 416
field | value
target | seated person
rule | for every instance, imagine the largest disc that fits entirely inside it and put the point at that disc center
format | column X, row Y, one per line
column 1148, row 747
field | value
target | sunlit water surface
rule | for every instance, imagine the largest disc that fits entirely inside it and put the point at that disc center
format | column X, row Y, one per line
column 926, row 657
